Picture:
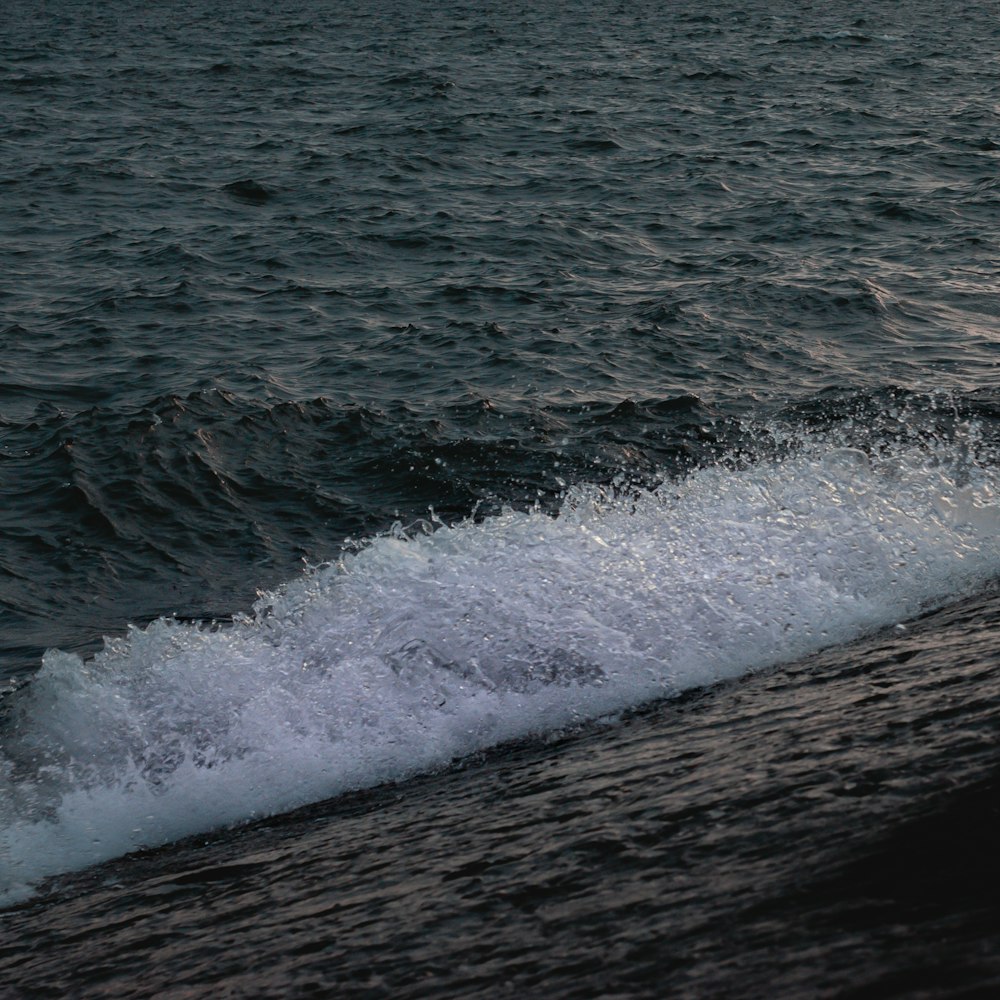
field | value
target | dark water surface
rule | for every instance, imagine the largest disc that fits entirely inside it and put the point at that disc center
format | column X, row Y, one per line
column 627, row 377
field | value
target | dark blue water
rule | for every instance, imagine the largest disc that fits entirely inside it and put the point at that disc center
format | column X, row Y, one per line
column 499, row 499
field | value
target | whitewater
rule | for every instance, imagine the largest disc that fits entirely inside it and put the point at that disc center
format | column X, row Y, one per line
column 434, row 641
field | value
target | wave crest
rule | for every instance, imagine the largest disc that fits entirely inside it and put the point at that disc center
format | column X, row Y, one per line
column 427, row 644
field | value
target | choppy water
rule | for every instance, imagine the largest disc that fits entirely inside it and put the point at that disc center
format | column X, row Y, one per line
column 627, row 381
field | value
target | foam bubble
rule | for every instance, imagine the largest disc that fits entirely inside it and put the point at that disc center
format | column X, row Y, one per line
column 416, row 650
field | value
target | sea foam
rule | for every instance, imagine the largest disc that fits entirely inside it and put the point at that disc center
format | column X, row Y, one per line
column 423, row 646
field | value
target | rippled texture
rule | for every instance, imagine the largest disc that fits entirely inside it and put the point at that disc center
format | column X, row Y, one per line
column 589, row 356
column 314, row 227
column 489, row 198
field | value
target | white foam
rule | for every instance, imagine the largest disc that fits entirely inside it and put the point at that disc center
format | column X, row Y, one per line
column 417, row 650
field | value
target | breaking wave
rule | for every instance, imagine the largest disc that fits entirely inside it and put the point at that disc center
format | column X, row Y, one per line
column 436, row 641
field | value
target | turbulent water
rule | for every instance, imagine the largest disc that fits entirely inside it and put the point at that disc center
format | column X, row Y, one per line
column 499, row 499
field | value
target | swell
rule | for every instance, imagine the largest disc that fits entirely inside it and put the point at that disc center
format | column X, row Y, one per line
column 190, row 503
column 166, row 508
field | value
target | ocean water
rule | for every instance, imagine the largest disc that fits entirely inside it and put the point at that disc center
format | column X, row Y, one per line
column 499, row 499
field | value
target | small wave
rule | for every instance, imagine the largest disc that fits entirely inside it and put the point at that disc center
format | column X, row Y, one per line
column 432, row 642
column 248, row 191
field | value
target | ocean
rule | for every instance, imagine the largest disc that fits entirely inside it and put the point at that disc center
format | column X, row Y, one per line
column 499, row 499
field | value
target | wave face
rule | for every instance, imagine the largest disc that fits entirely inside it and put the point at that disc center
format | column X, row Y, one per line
column 436, row 641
